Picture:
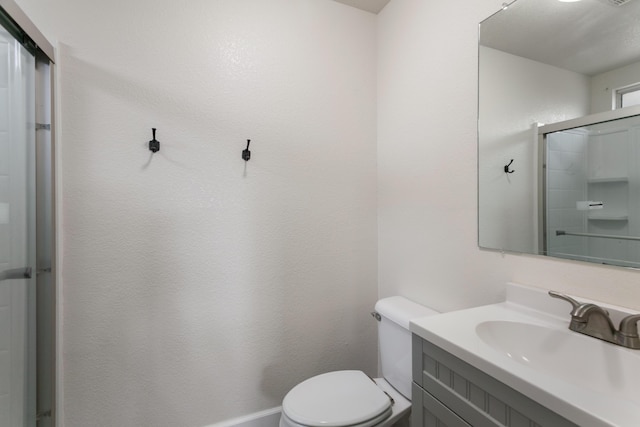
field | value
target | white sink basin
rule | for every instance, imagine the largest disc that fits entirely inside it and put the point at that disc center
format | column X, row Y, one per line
column 525, row 343
column 575, row 358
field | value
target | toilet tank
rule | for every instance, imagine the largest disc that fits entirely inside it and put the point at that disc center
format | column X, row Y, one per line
column 394, row 339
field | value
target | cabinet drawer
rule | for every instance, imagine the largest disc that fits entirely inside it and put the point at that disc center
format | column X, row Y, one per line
column 426, row 411
column 479, row 399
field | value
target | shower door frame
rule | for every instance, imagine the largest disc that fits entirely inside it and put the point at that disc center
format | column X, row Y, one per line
column 543, row 131
column 47, row 298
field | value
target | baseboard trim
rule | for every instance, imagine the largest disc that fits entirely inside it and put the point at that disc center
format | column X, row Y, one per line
column 267, row 418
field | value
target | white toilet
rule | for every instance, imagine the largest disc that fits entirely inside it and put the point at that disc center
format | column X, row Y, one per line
column 351, row 398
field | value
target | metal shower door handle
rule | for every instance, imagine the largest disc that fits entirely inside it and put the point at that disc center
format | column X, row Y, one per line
column 16, row 273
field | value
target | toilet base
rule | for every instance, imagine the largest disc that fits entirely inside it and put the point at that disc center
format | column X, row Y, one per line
column 401, row 408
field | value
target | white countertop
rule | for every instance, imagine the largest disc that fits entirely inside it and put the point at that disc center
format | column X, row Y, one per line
column 456, row 333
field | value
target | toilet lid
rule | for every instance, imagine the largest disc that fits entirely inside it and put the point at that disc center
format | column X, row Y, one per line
column 334, row 399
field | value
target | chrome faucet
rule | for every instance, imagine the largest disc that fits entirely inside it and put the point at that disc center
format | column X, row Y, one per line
column 593, row 320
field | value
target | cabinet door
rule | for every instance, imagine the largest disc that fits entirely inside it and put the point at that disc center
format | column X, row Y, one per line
column 426, row 411
column 477, row 398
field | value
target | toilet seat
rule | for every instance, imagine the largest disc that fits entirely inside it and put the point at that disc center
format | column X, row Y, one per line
column 341, row 398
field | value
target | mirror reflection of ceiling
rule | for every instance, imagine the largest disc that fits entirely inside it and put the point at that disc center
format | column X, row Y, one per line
column 600, row 29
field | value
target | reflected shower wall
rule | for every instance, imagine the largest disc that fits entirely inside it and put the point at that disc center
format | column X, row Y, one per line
column 566, row 187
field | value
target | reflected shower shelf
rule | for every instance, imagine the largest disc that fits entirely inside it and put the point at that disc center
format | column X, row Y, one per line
column 609, row 217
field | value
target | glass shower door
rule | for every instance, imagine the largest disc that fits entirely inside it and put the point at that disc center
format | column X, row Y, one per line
column 17, row 234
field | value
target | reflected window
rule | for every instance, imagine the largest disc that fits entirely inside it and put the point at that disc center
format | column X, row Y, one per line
column 628, row 96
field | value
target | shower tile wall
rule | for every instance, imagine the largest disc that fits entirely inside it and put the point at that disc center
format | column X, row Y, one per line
column 16, row 247
column 609, row 161
column 566, row 181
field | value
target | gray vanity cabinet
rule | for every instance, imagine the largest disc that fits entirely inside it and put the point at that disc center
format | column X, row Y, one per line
column 448, row 392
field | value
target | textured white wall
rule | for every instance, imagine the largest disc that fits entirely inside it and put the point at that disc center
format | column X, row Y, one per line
column 198, row 288
column 427, row 88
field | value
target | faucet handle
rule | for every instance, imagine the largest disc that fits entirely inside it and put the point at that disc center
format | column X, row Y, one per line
column 629, row 327
column 579, row 309
column 574, row 304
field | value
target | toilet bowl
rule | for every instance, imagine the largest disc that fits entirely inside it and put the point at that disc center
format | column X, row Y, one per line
column 351, row 398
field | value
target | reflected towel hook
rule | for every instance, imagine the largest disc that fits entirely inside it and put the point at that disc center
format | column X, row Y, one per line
column 154, row 144
column 506, row 168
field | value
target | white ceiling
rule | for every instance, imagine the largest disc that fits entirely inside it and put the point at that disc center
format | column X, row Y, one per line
column 373, row 6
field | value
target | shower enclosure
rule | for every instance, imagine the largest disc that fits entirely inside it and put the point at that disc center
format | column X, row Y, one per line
column 27, row 240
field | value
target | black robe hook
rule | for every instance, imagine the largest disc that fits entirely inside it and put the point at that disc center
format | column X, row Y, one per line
column 246, row 154
column 154, row 144
column 506, row 168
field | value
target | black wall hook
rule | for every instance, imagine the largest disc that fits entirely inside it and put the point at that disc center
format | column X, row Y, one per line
column 154, row 144
column 246, row 154
column 506, row 168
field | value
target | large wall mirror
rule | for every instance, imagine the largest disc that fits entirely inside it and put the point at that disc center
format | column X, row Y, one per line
column 559, row 130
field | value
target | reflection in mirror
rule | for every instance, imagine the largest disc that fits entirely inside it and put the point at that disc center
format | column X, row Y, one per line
column 542, row 62
column 591, row 181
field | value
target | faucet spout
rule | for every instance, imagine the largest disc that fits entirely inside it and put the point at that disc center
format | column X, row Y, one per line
column 593, row 320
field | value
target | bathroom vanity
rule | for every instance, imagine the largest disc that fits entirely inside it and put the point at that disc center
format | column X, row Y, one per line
column 449, row 391
column 516, row 364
